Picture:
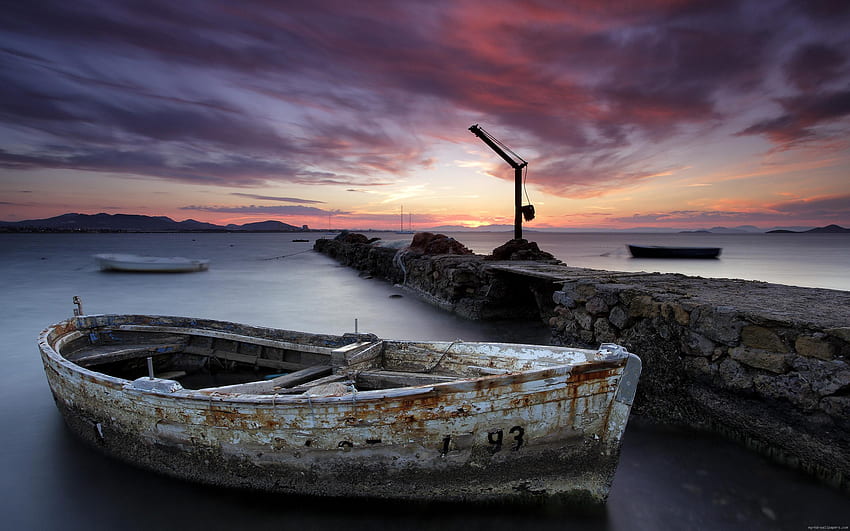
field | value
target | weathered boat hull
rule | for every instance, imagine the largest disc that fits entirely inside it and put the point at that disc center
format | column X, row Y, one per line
column 549, row 433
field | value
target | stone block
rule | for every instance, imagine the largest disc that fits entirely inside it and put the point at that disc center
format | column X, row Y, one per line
column 837, row 406
column 596, row 306
column 604, row 332
column 733, row 375
column 699, row 368
column 463, row 276
column 643, row 306
column 825, row 377
column 775, row 362
column 582, row 318
column 564, row 312
column 762, row 338
column 563, row 298
column 697, row 345
column 570, row 328
column 788, row 387
column 675, row 311
column 662, row 328
column 610, row 293
column 719, row 323
column 585, row 290
column 814, row 346
column 842, row 333
column 619, row 318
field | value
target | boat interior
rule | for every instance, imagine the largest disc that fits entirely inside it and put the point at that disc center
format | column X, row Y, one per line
column 216, row 361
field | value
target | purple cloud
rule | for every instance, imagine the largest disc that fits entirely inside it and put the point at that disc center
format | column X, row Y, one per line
column 275, row 210
column 355, row 94
column 275, row 198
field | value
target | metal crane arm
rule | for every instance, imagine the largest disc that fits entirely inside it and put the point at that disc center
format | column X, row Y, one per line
column 513, row 159
column 517, row 163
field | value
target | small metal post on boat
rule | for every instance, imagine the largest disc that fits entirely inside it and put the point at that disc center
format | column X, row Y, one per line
column 79, row 303
column 150, row 368
column 355, row 325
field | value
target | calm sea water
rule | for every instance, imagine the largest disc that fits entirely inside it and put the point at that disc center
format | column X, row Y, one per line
column 667, row 479
column 810, row 260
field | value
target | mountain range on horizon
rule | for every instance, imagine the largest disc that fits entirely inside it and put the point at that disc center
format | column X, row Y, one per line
column 72, row 222
column 138, row 223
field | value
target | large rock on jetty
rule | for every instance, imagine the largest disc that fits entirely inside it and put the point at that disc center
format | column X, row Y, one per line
column 764, row 364
column 520, row 249
column 429, row 243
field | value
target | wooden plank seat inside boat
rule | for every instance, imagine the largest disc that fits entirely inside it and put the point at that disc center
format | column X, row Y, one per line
column 103, row 354
column 257, row 351
column 275, row 385
column 389, row 379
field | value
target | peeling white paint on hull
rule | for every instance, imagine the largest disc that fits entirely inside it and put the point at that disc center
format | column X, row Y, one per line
column 463, row 422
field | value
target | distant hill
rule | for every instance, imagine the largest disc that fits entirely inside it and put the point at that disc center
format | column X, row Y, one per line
column 265, row 226
column 829, row 229
column 741, row 229
column 134, row 223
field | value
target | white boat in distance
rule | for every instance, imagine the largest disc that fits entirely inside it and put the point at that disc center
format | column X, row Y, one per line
column 344, row 416
column 150, row 264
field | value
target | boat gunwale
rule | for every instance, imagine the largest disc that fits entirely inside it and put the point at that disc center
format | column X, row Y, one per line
column 488, row 381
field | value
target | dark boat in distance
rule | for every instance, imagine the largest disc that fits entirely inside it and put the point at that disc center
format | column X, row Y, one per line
column 658, row 251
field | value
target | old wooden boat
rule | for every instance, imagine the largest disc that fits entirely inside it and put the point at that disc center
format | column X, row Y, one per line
column 150, row 264
column 343, row 416
column 658, row 251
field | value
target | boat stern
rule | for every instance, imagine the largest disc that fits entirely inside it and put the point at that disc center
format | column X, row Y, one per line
column 624, row 397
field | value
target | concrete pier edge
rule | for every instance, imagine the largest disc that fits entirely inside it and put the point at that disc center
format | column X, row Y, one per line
column 762, row 364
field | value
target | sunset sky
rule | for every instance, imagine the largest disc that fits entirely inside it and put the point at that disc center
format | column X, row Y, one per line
column 661, row 113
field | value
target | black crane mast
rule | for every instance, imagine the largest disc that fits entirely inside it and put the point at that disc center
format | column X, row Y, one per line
column 517, row 163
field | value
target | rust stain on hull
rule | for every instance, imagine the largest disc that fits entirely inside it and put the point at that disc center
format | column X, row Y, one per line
column 549, row 431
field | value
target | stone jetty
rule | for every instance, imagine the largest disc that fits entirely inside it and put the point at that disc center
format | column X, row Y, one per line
column 765, row 364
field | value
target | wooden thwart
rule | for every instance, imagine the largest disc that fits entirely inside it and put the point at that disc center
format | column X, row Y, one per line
column 244, row 358
column 356, row 353
column 111, row 353
column 251, row 340
column 271, row 386
column 384, row 379
column 303, row 388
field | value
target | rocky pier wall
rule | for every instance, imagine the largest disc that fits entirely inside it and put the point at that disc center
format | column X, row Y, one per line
column 764, row 364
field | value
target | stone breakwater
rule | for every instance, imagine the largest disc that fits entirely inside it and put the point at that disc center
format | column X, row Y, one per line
column 764, row 364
